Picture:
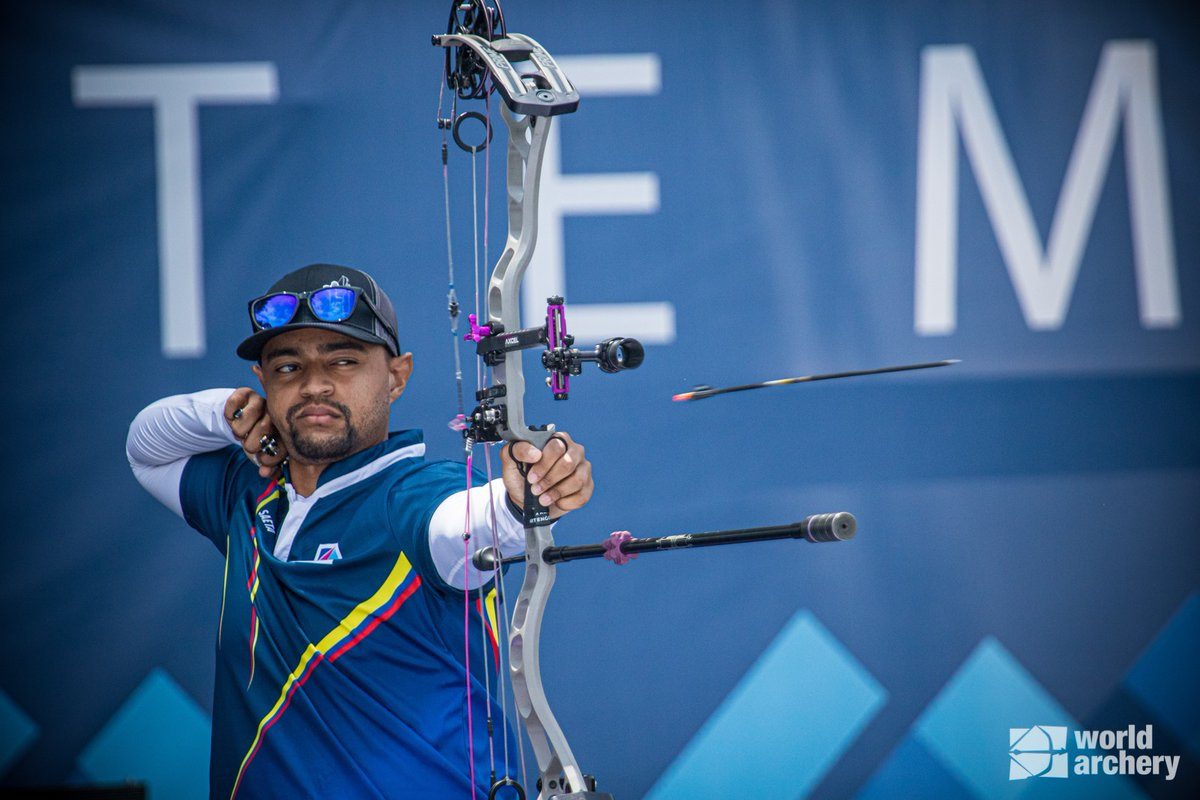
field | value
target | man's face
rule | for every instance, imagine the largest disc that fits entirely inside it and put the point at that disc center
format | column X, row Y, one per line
column 328, row 394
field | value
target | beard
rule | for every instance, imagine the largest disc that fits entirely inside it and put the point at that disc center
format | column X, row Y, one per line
column 322, row 446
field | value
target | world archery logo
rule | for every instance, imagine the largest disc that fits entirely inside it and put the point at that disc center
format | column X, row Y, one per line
column 1037, row 752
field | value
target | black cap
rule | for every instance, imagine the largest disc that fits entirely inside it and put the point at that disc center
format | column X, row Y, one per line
column 377, row 326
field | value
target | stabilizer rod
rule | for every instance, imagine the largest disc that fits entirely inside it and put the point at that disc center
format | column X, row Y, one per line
column 836, row 527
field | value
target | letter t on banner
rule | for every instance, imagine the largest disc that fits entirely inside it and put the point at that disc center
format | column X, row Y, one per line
column 175, row 90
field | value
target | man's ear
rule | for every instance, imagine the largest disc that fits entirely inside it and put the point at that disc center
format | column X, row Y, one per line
column 259, row 374
column 399, row 371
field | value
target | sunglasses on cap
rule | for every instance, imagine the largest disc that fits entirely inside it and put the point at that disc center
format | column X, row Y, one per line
column 329, row 304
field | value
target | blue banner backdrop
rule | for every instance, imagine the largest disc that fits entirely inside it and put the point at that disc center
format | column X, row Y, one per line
column 756, row 189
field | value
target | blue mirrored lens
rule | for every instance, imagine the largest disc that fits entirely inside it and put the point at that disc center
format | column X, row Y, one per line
column 333, row 304
column 276, row 310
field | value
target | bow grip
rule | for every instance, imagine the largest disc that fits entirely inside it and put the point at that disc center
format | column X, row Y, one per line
column 533, row 513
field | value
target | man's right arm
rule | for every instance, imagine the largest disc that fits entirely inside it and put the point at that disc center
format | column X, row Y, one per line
column 168, row 432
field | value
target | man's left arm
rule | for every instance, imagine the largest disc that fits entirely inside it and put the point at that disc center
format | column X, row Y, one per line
column 561, row 477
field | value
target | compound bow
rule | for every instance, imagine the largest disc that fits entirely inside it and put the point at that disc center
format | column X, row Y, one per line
column 482, row 58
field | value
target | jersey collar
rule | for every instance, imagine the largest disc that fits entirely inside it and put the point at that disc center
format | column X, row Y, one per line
column 396, row 440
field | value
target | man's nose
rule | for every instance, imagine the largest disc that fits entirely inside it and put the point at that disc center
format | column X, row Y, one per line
column 316, row 383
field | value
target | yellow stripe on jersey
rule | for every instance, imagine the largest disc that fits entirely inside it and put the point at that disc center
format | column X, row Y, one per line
column 313, row 652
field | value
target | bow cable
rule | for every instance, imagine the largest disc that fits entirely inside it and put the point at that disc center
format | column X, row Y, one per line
column 478, row 16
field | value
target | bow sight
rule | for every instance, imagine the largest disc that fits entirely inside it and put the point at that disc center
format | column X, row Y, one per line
column 560, row 358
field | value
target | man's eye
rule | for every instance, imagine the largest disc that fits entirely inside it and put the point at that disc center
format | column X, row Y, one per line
column 345, row 362
column 286, row 368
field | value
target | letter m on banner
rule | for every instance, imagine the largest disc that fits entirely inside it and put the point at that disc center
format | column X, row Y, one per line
column 954, row 98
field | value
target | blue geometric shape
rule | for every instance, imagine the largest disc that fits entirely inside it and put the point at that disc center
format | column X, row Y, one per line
column 785, row 723
column 17, row 732
column 910, row 771
column 159, row 736
column 967, row 727
column 1164, row 678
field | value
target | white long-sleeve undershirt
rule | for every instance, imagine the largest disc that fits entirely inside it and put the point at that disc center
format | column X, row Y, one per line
column 165, row 434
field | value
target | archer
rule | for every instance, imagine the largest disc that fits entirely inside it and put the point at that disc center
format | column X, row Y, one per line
column 340, row 657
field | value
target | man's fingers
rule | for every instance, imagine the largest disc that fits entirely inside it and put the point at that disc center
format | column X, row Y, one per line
column 551, row 454
column 266, row 451
column 572, row 491
column 244, row 409
column 246, row 413
column 570, row 503
column 547, row 474
column 259, row 437
column 524, row 452
column 268, row 445
column 233, row 409
column 559, row 474
column 271, row 452
column 268, row 464
column 235, row 401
